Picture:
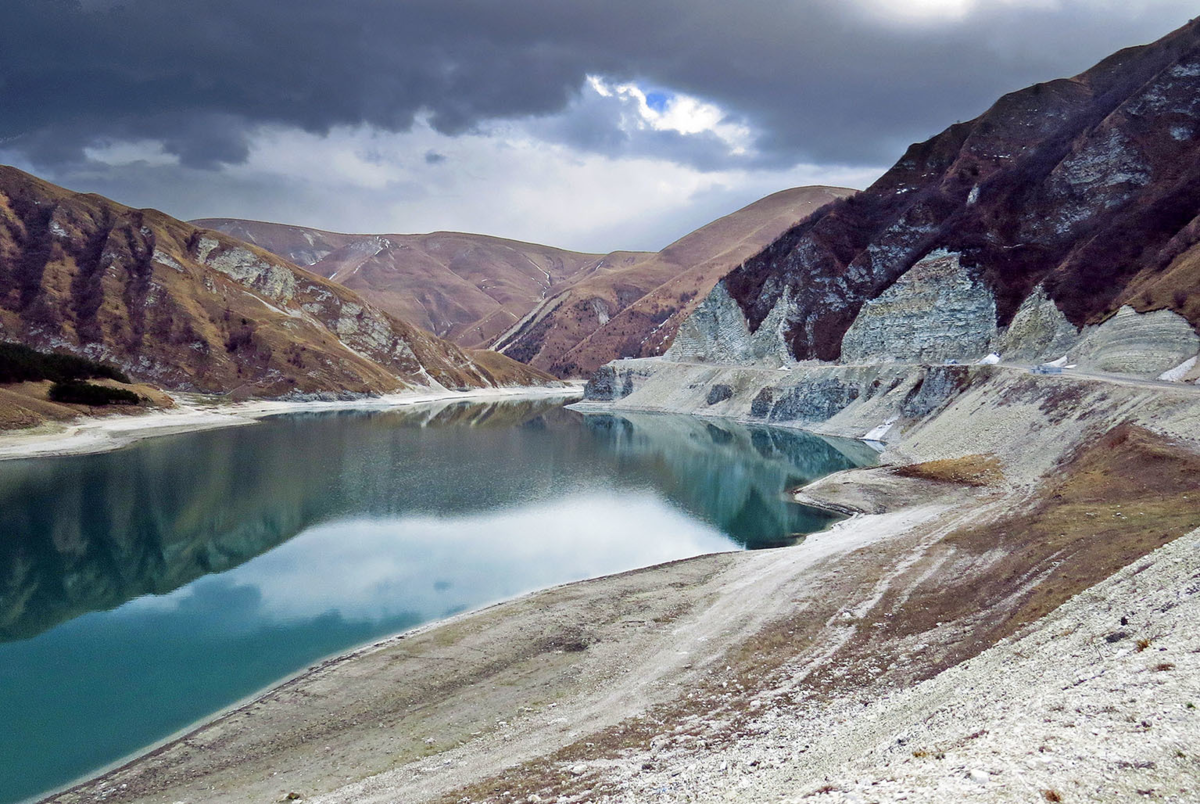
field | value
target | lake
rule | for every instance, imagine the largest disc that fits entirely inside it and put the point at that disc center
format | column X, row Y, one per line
column 144, row 589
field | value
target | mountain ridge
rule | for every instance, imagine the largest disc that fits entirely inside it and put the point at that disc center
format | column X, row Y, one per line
column 635, row 311
column 1085, row 190
column 462, row 286
column 485, row 290
column 192, row 309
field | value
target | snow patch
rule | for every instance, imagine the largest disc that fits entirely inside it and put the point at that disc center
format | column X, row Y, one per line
column 1179, row 372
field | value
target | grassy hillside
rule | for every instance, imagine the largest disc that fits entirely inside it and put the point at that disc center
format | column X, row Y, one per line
column 191, row 309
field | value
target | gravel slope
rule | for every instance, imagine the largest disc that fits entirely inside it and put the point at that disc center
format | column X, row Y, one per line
column 1080, row 708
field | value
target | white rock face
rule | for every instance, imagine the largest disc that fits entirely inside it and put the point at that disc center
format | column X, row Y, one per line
column 935, row 312
column 1038, row 332
column 241, row 265
column 1142, row 344
column 718, row 332
column 162, row 258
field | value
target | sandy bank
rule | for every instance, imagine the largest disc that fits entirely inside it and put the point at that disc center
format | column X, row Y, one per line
column 779, row 674
column 419, row 714
column 104, row 433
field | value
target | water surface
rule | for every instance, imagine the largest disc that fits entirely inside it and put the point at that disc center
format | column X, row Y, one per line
column 143, row 589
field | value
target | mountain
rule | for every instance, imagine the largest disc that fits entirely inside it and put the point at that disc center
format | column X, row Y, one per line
column 1065, row 220
column 186, row 308
column 463, row 287
column 559, row 311
column 634, row 310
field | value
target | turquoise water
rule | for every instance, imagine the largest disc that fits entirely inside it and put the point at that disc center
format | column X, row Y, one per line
column 143, row 589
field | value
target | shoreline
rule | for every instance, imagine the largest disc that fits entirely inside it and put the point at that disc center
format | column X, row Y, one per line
column 761, row 675
column 316, row 666
column 517, row 612
column 92, row 435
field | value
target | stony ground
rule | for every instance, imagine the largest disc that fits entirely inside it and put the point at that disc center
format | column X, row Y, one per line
column 1096, row 702
column 963, row 640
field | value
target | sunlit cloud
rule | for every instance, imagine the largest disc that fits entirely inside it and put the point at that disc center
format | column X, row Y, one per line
column 933, row 11
column 670, row 111
column 120, row 153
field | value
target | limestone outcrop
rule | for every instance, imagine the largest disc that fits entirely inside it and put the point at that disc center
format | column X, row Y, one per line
column 718, row 332
column 1038, row 332
column 1143, row 344
column 936, row 311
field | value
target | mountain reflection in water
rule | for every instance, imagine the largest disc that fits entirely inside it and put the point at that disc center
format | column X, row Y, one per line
column 145, row 588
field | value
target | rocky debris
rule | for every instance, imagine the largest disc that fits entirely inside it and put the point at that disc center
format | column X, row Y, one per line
column 934, row 390
column 719, row 392
column 810, row 402
column 608, row 385
column 1059, row 713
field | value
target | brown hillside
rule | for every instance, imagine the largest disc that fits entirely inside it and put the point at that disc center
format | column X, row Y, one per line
column 466, row 288
column 1090, row 185
column 190, row 309
column 635, row 311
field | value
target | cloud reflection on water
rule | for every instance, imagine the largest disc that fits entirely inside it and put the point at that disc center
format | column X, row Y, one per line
column 376, row 569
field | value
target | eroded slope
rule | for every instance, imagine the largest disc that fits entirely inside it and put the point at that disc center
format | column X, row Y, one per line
column 191, row 309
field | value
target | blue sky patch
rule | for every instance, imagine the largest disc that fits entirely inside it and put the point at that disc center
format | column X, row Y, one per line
column 658, row 100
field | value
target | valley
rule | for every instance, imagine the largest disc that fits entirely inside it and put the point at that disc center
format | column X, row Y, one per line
column 845, row 497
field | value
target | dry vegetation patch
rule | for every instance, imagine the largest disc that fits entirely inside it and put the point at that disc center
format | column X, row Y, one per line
column 969, row 470
column 1113, row 502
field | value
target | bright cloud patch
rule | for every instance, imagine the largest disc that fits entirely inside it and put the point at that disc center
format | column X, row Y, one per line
column 151, row 153
column 662, row 111
column 933, row 11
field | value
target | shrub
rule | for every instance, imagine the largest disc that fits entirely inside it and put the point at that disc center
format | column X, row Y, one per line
column 19, row 363
column 75, row 392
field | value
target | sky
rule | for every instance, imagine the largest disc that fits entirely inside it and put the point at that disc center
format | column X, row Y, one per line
column 587, row 124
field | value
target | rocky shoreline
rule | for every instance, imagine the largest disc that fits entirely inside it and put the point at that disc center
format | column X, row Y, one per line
column 760, row 676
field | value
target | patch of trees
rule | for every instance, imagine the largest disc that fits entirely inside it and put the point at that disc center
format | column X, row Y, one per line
column 19, row 363
column 240, row 338
column 77, row 392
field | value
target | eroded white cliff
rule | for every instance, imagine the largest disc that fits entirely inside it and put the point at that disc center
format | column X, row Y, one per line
column 934, row 312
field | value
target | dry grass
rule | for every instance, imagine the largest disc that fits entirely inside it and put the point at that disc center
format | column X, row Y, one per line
column 1114, row 502
column 27, row 404
column 969, row 470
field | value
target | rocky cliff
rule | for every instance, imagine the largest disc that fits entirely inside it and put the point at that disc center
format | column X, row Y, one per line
column 191, row 309
column 1065, row 220
column 635, row 308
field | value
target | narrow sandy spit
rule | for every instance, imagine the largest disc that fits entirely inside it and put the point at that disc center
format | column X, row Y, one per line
column 105, row 433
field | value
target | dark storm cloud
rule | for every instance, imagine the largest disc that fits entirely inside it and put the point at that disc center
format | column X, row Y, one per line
column 817, row 80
